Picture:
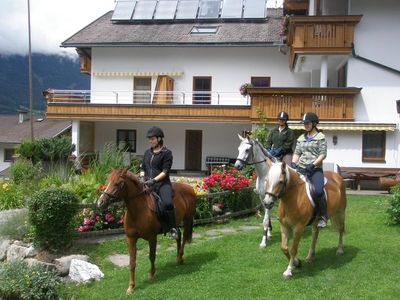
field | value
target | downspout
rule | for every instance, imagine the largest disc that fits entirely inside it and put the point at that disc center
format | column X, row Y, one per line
column 379, row 65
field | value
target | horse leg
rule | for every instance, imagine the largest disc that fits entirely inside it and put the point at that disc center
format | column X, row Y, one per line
column 311, row 251
column 267, row 229
column 179, row 248
column 339, row 222
column 293, row 261
column 131, row 243
column 284, row 241
column 152, row 257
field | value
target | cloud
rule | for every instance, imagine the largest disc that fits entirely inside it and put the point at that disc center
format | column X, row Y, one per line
column 52, row 22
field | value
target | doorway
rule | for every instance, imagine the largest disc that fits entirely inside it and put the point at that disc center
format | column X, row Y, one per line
column 193, row 150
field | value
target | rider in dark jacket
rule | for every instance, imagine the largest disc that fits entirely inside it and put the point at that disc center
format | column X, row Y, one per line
column 154, row 170
column 280, row 140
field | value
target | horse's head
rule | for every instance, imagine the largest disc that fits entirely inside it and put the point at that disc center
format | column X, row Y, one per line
column 278, row 177
column 115, row 190
column 245, row 152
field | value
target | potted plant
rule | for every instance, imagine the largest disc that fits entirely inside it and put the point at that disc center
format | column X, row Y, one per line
column 243, row 89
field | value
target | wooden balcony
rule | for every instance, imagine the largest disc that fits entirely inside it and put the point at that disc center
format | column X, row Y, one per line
column 322, row 35
column 330, row 104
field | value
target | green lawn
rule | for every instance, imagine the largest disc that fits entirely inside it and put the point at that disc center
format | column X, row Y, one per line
column 233, row 266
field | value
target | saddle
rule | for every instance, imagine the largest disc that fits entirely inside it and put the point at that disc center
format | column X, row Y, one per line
column 161, row 215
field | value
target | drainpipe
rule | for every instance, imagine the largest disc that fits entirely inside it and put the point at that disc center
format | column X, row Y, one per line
column 311, row 8
column 75, row 135
column 324, row 72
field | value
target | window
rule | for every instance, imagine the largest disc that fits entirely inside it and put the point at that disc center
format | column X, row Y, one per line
column 201, row 90
column 126, row 140
column 142, row 89
column 261, row 81
column 204, row 30
column 373, row 146
column 8, row 155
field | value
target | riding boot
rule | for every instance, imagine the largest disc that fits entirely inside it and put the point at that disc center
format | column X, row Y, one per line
column 323, row 215
column 172, row 223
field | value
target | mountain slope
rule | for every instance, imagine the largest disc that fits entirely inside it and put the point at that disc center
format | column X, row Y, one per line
column 48, row 71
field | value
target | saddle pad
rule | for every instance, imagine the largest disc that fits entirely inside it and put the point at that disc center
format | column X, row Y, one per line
column 308, row 189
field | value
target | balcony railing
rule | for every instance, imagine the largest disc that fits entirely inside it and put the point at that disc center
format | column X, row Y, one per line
column 320, row 35
column 330, row 104
column 146, row 97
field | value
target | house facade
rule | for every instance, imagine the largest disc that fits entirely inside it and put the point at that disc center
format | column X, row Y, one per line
column 179, row 65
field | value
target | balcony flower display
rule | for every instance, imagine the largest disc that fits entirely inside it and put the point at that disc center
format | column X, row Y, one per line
column 243, row 89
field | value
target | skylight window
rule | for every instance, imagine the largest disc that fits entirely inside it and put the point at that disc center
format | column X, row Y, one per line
column 204, row 30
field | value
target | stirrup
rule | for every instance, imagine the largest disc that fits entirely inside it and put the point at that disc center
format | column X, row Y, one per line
column 174, row 233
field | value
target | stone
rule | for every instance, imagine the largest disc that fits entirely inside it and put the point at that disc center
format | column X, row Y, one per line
column 81, row 271
column 120, row 260
column 63, row 263
column 34, row 262
column 16, row 252
column 4, row 245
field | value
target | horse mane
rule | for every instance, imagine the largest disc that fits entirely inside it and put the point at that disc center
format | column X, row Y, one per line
column 275, row 172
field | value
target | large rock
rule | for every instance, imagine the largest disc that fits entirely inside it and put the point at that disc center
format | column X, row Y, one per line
column 63, row 263
column 34, row 262
column 16, row 252
column 4, row 245
column 82, row 271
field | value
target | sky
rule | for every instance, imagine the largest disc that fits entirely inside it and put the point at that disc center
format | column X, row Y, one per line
column 52, row 22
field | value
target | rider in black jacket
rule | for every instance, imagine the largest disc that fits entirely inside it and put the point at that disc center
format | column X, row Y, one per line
column 155, row 168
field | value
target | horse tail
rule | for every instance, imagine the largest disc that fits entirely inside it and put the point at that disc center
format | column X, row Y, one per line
column 339, row 219
column 188, row 232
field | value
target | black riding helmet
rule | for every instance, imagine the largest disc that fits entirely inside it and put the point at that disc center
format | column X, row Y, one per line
column 155, row 131
column 283, row 115
column 310, row 117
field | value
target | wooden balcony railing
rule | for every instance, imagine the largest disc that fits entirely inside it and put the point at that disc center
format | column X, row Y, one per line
column 320, row 35
column 330, row 104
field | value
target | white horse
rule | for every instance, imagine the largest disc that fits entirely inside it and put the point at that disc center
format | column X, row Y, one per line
column 251, row 152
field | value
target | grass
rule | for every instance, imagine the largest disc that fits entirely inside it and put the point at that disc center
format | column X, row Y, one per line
column 233, row 267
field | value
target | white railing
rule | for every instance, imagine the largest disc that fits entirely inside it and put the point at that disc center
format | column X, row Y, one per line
column 147, row 97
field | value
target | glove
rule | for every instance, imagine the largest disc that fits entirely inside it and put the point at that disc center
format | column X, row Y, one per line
column 294, row 165
column 310, row 169
column 150, row 182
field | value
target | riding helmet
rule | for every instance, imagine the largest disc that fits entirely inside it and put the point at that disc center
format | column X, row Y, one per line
column 155, row 131
column 283, row 115
column 310, row 117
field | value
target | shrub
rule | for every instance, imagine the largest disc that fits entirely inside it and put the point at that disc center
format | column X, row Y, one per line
column 11, row 196
column 393, row 211
column 51, row 214
column 23, row 171
column 18, row 281
column 99, row 220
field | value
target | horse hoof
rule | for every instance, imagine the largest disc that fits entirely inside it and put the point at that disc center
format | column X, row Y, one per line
column 263, row 245
column 339, row 252
column 129, row 290
column 287, row 275
column 150, row 277
column 309, row 260
column 179, row 261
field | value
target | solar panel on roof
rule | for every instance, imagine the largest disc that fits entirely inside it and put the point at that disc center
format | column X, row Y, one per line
column 232, row 9
column 165, row 9
column 254, row 9
column 187, row 9
column 209, row 9
column 123, row 10
column 144, row 10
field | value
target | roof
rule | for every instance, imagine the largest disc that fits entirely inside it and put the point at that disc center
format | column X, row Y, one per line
column 104, row 32
column 13, row 133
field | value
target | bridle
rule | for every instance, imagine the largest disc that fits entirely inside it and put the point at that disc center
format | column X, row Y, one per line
column 250, row 157
column 114, row 197
column 278, row 195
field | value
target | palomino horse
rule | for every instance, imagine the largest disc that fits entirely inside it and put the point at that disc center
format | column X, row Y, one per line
column 251, row 153
column 296, row 211
column 140, row 220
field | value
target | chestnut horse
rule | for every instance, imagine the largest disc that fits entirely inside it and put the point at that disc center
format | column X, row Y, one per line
column 140, row 220
column 296, row 211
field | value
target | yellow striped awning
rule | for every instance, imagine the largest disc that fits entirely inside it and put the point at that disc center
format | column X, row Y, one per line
column 133, row 74
column 349, row 126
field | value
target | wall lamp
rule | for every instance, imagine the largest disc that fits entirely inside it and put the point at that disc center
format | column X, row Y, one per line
column 334, row 139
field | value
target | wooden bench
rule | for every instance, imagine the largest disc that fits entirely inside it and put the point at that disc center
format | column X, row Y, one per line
column 363, row 173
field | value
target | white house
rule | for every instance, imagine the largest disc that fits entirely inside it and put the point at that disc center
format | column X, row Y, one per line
column 178, row 64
